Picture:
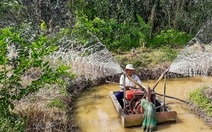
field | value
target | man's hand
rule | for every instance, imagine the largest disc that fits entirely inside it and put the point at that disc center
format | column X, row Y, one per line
column 127, row 87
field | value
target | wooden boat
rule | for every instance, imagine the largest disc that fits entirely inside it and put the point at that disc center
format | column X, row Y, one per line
column 130, row 118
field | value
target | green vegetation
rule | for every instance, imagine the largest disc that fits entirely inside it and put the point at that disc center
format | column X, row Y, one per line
column 148, row 57
column 12, row 124
column 199, row 97
column 156, row 29
column 122, row 37
column 16, row 64
column 56, row 103
column 117, row 37
column 170, row 38
column 121, row 25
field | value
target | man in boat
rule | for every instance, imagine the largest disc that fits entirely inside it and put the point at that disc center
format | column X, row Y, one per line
column 128, row 83
column 146, row 106
column 129, row 69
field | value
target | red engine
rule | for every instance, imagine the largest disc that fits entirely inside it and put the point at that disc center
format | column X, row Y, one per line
column 132, row 93
column 133, row 98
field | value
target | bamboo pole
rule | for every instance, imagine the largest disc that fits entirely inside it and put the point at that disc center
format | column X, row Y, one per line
column 161, row 77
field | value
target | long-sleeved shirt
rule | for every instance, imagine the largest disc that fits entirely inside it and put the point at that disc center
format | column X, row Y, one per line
column 128, row 82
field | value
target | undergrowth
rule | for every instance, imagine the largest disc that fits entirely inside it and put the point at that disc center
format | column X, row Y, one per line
column 147, row 57
column 201, row 103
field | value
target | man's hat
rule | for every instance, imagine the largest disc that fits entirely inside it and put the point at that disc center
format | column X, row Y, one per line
column 129, row 67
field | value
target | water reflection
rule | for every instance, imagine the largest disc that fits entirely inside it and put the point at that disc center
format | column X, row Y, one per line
column 96, row 113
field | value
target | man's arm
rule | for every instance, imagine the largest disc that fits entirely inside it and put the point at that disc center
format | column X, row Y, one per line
column 121, row 82
column 137, row 79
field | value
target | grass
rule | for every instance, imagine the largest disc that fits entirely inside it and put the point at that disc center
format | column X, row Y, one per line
column 203, row 98
column 46, row 110
column 147, row 57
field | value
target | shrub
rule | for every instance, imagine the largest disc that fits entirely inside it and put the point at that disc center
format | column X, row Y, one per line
column 19, row 57
column 169, row 54
column 199, row 98
column 116, row 36
column 170, row 38
column 56, row 103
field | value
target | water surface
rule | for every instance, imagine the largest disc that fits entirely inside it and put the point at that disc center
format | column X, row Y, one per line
column 96, row 113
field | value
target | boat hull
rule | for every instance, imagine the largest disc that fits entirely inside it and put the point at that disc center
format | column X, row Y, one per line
column 130, row 120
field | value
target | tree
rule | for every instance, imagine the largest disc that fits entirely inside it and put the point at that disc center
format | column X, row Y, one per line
column 22, row 60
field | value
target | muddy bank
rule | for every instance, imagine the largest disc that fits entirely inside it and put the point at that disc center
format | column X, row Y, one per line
column 201, row 113
column 76, row 87
column 153, row 74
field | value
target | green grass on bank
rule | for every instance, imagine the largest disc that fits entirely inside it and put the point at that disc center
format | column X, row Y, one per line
column 202, row 97
column 147, row 57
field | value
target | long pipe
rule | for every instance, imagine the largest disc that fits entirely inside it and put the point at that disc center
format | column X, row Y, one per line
column 173, row 98
column 124, row 93
column 131, row 79
column 156, row 93
column 157, row 82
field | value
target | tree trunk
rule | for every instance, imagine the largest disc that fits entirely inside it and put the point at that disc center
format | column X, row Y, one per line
column 152, row 16
column 179, row 10
column 178, row 2
column 71, row 3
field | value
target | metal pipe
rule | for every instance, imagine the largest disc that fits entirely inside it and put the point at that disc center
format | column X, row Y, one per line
column 155, row 93
column 124, row 93
column 173, row 98
column 164, row 93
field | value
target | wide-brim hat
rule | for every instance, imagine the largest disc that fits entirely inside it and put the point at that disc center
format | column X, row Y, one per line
column 129, row 67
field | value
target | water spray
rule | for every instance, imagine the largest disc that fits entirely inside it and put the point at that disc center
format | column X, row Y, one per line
column 196, row 58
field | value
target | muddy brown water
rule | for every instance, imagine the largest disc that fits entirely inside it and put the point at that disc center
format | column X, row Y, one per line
column 96, row 113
